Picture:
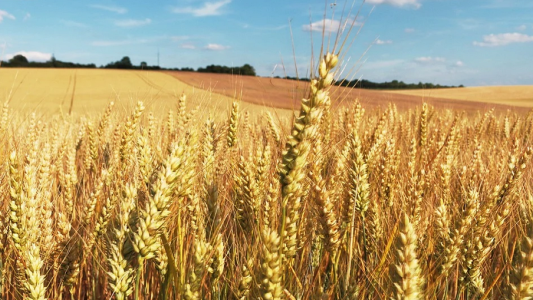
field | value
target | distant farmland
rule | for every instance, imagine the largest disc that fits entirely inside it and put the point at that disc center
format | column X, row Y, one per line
column 287, row 93
column 510, row 95
column 53, row 90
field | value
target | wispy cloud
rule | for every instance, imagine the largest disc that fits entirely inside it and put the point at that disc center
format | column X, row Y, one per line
column 430, row 60
column 131, row 41
column 521, row 27
column 73, row 24
column 383, row 42
column 133, row 23
column 383, row 64
column 471, row 24
column 27, row 17
column 177, row 38
column 115, row 9
column 32, row 55
column 120, row 42
column 188, row 46
column 4, row 14
column 328, row 25
column 502, row 39
column 436, row 62
column 499, row 4
column 409, row 30
column 113, row 43
column 216, row 47
column 207, row 9
column 426, row 69
column 273, row 28
column 398, row 3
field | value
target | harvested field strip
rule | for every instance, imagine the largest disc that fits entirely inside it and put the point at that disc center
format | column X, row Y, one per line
column 283, row 93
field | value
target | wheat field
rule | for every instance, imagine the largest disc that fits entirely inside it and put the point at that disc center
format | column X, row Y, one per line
column 338, row 203
column 511, row 95
column 82, row 91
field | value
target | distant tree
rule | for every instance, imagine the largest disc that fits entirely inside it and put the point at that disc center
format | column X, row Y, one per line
column 19, row 60
column 402, row 85
column 125, row 63
column 244, row 70
column 52, row 62
column 143, row 65
column 247, row 70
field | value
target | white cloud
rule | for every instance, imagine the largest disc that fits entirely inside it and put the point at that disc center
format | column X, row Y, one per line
column 328, row 25
column 502, row 39
column 132, row 22
column 216, row 47
column 208, row 9
column 409, row 30
column 521, row 27
column 188, row 46
column 399, row 3
column 32, row 55
column 27, row 17
column 381, row 42
column 115, row 9
column 430, row 60
column 5, row 14
column 459, row 63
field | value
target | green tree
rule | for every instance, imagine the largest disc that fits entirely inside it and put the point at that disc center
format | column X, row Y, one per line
column 18, row 59
column 247, row 70
column 125, row 63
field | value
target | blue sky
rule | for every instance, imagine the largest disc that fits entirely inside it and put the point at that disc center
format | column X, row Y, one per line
column 473, row 42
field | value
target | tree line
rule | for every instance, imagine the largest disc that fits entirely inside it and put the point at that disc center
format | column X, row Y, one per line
column 244, row 70
column 21, row 61
column 388, row 85
column 392, row 85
